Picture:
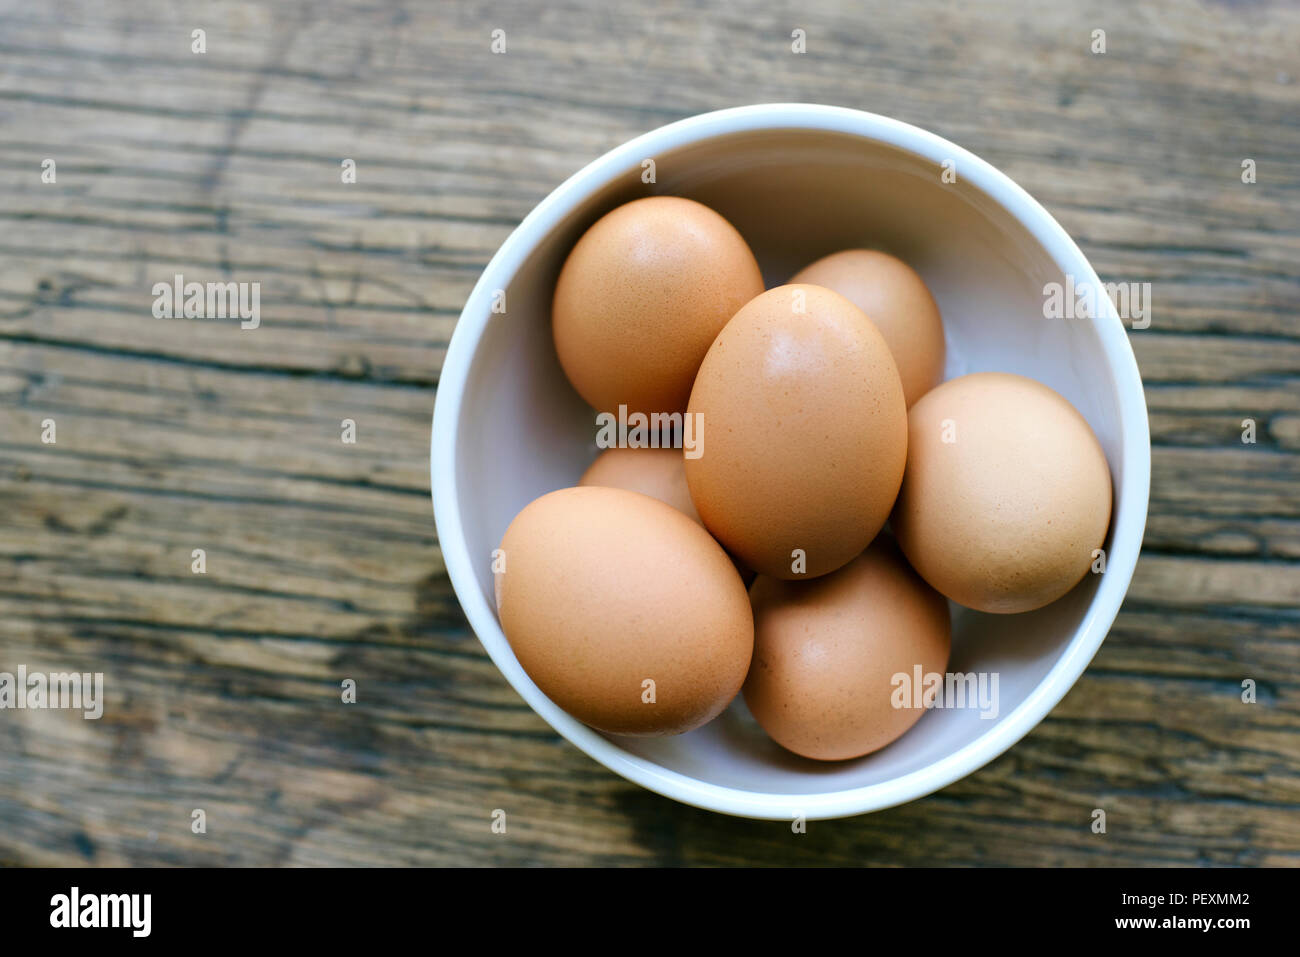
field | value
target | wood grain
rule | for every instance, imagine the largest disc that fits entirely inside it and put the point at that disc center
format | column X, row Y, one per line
column 322, row 559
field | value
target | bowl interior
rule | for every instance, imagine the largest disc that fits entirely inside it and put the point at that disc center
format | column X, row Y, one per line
column 795, row 195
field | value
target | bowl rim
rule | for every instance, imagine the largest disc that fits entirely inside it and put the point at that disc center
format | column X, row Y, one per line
column 1132, row 495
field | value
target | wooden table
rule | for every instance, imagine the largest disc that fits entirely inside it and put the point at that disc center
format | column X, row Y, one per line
column 223, row 688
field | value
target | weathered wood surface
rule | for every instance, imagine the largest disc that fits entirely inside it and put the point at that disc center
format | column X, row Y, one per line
column 322, row 557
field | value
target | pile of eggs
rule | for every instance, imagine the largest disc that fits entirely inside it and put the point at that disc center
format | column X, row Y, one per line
column 756, row 557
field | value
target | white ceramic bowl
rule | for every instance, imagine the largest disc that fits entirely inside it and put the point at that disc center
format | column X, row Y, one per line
column 798, row 181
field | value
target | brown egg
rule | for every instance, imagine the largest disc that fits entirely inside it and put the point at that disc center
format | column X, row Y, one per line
column 1006, row 495
column 623, row 611
column 659, row 473
column 897, row 300
column 826, row 653
column 641, row 297
column 803, row 433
